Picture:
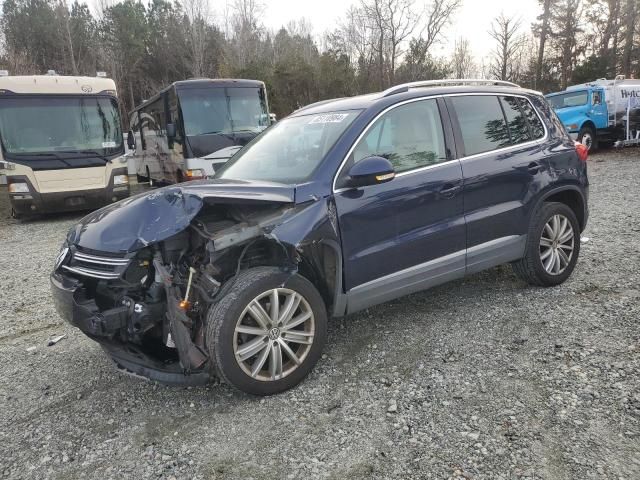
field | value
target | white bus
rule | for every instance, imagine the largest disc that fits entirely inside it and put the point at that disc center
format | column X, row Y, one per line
column 62, row 145
column 192, row 126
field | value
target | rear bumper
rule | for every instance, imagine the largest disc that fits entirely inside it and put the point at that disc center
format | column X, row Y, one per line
column 35, row 202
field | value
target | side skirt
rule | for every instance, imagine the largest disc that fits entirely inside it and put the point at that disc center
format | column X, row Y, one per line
column 435, row 272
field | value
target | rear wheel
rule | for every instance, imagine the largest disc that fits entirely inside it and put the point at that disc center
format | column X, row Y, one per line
column 266, row 334
column 587, row 137
column 553, row 246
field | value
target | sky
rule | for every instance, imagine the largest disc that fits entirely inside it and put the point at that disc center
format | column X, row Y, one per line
column 472, row 21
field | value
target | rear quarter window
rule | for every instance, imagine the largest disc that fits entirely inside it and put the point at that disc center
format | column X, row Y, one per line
column 537, row 129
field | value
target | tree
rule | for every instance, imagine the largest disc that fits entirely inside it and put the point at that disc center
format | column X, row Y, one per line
column 420, row 65
column 566, row 25
column 462, row 64
column 439, row 16
column 507, row 52
column 630, row 23
column 543, row 31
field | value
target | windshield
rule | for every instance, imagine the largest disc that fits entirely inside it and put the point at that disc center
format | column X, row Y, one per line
column 60, row 124
column 290, row 151
column 224, row 110
column 573, row 99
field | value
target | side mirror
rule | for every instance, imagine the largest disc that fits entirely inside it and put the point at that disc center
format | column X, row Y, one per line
column 370, row 171
column 171, row 130
column 131, row 140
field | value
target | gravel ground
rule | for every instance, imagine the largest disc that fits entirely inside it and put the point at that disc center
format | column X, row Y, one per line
column 484, row 378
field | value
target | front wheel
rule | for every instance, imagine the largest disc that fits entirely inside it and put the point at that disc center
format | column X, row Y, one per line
column 553, row 246
column 587, row 137
column 267, row 332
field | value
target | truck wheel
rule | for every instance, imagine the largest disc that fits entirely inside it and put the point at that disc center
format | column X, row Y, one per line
column 587, row 137
column 267, row 332
column 553, row 246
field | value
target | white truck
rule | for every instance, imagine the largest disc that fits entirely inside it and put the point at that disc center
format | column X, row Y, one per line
column 601, row 111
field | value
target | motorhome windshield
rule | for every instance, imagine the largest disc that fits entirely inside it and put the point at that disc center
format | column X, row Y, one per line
column 223, row 110
column 571, row 99
column 290, row 151
column 41, row 124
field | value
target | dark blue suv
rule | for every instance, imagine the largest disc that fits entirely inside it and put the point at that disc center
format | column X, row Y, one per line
column 340, row 206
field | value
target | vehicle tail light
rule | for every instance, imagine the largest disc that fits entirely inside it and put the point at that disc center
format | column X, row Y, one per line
column 582, row 151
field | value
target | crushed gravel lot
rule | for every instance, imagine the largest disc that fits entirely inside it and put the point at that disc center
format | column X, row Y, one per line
column 485, row 378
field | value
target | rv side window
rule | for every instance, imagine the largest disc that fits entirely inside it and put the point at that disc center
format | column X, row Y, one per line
column 158, row 117
column 146, row 126
column 174, row 115
column 136, row 127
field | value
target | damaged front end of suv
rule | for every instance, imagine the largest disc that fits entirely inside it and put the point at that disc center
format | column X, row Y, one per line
column 146, row 279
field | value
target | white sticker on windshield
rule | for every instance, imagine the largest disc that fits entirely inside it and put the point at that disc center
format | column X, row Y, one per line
column 109, row 144
column 329, row 118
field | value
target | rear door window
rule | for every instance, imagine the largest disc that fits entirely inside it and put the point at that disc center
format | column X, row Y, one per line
column 533, row 120
column 482, row 123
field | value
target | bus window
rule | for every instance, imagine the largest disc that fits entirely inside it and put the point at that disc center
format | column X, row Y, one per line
column 208, row 111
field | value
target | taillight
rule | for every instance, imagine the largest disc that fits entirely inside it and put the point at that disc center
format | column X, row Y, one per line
column 582, row 151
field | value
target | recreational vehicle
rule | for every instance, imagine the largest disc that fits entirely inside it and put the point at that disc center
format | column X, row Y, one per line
column 61, row 143
column 190, row 128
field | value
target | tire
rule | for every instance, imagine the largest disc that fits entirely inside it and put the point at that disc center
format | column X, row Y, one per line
column 587, row 136
column 225, row 343
column 16, row 216
column 532, row 268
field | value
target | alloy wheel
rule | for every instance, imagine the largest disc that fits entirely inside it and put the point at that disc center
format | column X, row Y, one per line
column 274, row 334
column 556, row 244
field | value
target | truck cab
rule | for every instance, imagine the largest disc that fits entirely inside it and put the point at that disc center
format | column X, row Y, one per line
column 601, row 111
column 584, row 113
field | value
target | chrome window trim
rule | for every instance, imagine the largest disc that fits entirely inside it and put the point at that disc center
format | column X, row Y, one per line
column 366, row 130
column 467, row 157
column 510, row 147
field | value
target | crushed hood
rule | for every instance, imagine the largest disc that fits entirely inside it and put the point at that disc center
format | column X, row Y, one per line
column 151, row 217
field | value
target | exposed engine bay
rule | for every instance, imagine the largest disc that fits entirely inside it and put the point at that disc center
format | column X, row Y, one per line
column 148, row 306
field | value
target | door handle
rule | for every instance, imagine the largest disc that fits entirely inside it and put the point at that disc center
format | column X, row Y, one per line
column 534, row 167
column 448, row 190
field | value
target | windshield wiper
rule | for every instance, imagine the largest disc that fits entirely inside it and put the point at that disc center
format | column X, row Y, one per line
column 91, row 152
column 42, row 154
column 226, row 135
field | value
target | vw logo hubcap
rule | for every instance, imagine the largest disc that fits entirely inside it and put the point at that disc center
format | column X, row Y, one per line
column 274, row 333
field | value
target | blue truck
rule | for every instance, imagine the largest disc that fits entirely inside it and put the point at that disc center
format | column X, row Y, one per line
column 601, row 112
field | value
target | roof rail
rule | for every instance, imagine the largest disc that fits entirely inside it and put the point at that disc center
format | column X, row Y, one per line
column 405, row 87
